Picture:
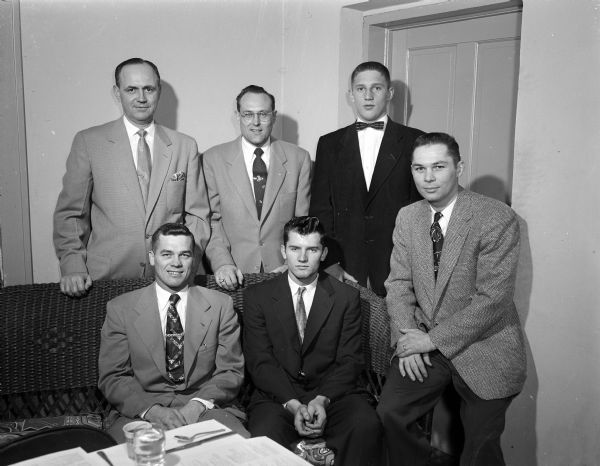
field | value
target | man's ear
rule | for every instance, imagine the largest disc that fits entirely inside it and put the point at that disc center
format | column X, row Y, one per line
column 390, row 93
column 283, row 252
column 151, row 257
column 324, row 253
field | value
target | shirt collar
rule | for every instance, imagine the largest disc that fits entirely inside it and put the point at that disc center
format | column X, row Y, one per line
column 249, row 147
column 164, row 295
column 446, row 211
column 384, row 118
column 294, row 286
column 132, row 129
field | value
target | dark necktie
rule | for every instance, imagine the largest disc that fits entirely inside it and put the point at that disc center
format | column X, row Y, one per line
column 360, row 125
column 144, row 164
column 174, row 341
column 259, row 178
column 301, row 313
column 438, row 242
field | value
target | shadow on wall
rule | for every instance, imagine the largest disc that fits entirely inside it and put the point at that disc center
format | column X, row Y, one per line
column 520, row 439
column 491, row 186
column 289, row 128
column 166, row 114
column 400, row 101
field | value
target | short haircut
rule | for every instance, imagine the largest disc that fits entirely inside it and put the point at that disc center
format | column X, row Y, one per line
column 429, row 139
column 253, row 89
column 304, row 226
column 134, row 61
column 172, row 229
column 371, row 66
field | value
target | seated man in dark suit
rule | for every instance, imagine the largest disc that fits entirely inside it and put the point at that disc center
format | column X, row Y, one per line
column 170, row 353
column 302, row 342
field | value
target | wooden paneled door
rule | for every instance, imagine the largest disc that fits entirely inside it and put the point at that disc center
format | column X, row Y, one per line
column 460, row 76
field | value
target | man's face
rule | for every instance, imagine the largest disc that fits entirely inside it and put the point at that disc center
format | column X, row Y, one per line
column 253, row 128
column 304, row 254
column 138, row 92
column 435, row 174
column 370, row 94
column 172, row 259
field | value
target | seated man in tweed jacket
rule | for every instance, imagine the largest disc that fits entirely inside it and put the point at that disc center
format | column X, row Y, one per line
column 453, row 320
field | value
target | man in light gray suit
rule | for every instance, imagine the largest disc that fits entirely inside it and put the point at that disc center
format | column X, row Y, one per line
column 255, row 185
column 170, row 353
column 124, row 179
column 453, row 320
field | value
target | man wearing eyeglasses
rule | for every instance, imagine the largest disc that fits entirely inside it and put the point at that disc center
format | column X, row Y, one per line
column 255, row 185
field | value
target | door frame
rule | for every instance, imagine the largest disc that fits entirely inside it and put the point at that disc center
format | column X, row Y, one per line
column 15, row 238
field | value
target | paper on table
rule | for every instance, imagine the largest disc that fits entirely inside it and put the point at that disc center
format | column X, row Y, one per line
column 73, row 457
column 118, row 453
column 258, row 451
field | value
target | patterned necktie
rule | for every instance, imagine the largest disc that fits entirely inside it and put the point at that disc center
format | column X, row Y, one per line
column 438, row 242
column 144, row 164
column 301, row 313
column 360, row 125
column 174, row 341
column 259, row 178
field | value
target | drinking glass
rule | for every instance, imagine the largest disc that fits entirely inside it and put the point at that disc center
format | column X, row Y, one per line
column 149, row 446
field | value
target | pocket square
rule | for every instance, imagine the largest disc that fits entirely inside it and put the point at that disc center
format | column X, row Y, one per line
column 179, row 176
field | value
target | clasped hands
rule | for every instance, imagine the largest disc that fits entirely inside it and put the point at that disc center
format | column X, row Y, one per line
column 169, row 418
column 413, row 349
column 309, row 419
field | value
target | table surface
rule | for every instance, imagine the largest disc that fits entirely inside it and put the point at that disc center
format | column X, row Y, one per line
column 232, row 449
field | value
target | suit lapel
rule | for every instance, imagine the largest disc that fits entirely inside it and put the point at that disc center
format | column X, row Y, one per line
column 350, row 163
column 283, row 307
column 197, row 323
column 121, row 159
column 149, row 328
column 424, row 250
column 277, row 172
column 160, row 167
column 319, row 311
column 387, row 158
column 460, row 223
column 236, row 166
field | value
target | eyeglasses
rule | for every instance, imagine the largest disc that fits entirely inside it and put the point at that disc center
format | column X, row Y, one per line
column 262, row 116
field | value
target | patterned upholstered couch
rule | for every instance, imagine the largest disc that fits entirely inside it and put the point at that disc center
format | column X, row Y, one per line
column 49, row 353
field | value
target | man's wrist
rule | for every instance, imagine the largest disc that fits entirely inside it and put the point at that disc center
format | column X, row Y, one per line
column 292, row 405
column 208, row 404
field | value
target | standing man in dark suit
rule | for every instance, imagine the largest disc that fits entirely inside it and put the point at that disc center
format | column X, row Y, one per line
column 124, row 179
column 255, row 184
column 453, row 320
column 302, row 342
column 170, row 353
column 361, row 179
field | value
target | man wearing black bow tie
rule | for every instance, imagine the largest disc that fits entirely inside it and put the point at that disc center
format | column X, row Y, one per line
column 361, row 180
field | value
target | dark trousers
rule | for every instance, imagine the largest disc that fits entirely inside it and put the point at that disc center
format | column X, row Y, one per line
column 403, row 401
column 352, row 431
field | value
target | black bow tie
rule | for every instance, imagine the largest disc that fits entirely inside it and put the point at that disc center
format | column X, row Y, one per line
column 360, row 125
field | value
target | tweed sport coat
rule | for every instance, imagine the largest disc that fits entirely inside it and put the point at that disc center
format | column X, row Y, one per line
column 469, row 311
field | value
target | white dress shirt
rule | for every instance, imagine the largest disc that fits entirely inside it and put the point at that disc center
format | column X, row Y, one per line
column 307, row 297
column 134, row 138
column 369, row 141
column 446, row 213
column 249, row 156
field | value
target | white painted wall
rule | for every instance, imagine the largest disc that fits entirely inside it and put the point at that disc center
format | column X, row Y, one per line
column 556, row 420
column 206, row 51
